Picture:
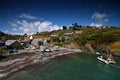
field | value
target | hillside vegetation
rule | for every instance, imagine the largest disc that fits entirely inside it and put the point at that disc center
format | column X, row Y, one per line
column 105, row 38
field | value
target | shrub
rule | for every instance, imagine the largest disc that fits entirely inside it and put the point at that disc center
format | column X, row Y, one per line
column 1, row 51
column 58, row 44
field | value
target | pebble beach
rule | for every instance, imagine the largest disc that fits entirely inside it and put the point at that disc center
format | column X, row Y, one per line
column 21, row 60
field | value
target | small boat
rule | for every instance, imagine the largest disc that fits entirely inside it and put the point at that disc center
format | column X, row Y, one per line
column 106, row 61
column 97, row 53
column 40, row 51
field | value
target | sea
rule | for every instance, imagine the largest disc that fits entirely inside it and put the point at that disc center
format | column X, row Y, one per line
column 78, row 66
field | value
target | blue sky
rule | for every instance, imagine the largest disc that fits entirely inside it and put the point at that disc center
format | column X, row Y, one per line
column 31, row 16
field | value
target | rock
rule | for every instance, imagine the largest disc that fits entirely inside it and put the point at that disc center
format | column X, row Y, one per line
column 116, row 54
column 1, row 57
column 88, row 45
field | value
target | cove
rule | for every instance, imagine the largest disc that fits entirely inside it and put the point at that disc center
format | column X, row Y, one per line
column 70, row 67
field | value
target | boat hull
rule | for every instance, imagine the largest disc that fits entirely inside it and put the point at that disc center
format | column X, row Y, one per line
column 106, row 61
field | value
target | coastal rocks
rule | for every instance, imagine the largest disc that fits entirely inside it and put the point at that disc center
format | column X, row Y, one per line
column 114, row 48
column 71, row 45
column 89, row 46
column 116, row 54
column 2, row 57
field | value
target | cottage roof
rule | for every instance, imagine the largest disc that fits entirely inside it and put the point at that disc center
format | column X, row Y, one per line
column 9, row 42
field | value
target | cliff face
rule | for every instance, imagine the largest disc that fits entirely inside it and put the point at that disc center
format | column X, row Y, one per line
column 71, row 45
column 89, row 45
column 114, row 48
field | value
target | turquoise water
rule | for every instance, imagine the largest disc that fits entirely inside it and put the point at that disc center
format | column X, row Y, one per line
column 70, row 67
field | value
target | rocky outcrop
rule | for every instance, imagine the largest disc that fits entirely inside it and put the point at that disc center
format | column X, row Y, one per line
column 114, row 48
column 71, row 45
column 89, row 46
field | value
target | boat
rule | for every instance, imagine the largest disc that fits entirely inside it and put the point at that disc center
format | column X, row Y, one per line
column 40, row 51
column 106, row 61
column 97, row 53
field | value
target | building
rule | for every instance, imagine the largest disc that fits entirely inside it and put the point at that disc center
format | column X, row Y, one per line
column 68, row 33
column 54, row 35
column 11, row 44
column 78, row 32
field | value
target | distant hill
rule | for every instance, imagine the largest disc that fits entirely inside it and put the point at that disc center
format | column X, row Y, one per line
column 2, row 33
column 4, row 36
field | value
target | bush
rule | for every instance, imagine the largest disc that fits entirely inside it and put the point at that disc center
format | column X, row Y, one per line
column 1, row 51
column 58, row 44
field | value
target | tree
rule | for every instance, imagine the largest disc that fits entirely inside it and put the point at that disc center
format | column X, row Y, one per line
column 64, row 28
column 75, row 26
column 2, row 33
column 25, row 34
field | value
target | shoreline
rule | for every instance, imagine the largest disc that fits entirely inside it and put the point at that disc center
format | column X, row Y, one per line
column 10, row 66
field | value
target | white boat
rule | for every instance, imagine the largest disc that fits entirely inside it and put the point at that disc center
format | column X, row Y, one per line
column 106, row 61
column 97, row 53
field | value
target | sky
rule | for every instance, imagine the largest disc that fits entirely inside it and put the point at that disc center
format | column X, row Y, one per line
column 31, row 16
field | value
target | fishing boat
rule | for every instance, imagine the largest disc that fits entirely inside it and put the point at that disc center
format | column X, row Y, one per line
column 106, row 61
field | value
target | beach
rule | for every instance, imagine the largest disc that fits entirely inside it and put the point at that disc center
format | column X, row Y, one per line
column 19, row 61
